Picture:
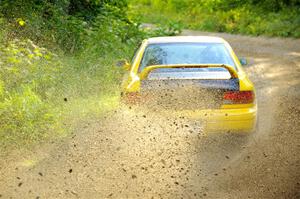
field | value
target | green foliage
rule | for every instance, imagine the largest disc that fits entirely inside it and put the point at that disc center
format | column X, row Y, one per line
column 62, row 23
column 41, row 91
column 24, row 117
column 254, row 17
column 27, row 74
column 170, row 29
column 22, row 62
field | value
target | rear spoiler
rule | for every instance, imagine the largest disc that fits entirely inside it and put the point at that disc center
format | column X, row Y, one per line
column 148, row 69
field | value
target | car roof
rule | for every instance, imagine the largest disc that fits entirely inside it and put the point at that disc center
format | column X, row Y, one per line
column 186, row 39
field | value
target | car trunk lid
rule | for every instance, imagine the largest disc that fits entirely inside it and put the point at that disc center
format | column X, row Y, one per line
column 185, row 94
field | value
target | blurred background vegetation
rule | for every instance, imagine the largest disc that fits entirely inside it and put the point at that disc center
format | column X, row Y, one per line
column 251, row 17
column 57, row 56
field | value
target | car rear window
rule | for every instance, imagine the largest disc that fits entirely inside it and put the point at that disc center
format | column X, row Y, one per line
column 185, row 53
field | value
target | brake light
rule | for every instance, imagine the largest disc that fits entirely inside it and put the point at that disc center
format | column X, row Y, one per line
column 238, row 97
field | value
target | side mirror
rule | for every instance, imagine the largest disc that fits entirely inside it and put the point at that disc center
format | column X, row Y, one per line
column 243, row 61
column 124, row 64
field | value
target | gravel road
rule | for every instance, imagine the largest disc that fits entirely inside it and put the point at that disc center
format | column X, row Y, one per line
column 137, row 154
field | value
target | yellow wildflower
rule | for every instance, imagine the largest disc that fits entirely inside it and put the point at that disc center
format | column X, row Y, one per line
column 21, row 22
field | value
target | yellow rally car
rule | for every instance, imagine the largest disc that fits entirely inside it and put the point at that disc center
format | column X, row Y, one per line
column 196, row 77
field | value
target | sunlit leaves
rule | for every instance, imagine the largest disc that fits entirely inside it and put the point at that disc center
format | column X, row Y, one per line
column 24, row 117
column 22, row 62
column 26, row 74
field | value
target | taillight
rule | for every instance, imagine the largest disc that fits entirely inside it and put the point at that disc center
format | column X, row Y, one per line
column 238, row 97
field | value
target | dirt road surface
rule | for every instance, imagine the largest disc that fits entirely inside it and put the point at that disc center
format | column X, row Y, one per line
column 129, row 154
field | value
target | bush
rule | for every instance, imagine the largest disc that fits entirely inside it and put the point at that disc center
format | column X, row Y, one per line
column 24, row 63
column 27, row 76
column 58, row 24
column 25, row 118
column 39, row 88
column 254, row 17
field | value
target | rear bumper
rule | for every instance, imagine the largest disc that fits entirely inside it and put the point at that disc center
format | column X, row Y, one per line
column 231, row 120
column 223, row 120
column 241, row 126
column 241, row 119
